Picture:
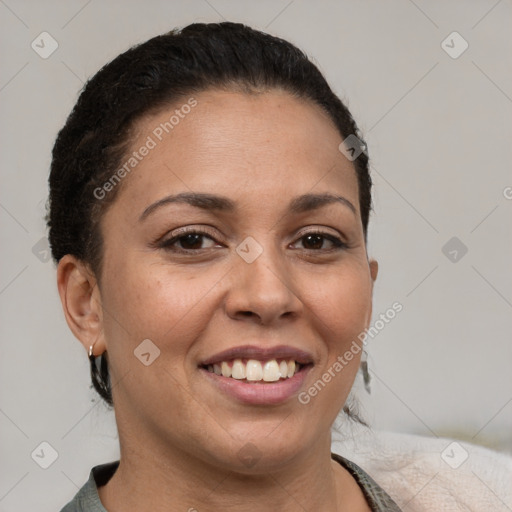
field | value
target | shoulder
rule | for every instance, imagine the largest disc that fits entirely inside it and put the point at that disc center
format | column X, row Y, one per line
column 87, row 498
column 422, row 473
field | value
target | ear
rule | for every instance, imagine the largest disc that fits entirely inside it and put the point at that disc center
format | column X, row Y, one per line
column 81, row 302
column 374, row 270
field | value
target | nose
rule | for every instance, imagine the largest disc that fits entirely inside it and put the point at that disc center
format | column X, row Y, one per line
column 262, row 291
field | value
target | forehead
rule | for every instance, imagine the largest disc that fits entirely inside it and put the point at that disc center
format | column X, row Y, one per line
column 232, row 142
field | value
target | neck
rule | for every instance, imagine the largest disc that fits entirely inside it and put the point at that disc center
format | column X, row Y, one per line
column 153, row 479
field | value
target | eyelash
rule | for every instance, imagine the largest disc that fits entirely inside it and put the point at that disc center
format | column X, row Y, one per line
column 167, row 245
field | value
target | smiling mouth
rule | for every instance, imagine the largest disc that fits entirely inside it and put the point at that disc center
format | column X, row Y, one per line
column 254, row 371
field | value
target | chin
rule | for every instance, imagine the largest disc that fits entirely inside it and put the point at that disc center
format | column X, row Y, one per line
column 261, row 448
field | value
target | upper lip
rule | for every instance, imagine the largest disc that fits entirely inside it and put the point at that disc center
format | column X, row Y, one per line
column 260, row 353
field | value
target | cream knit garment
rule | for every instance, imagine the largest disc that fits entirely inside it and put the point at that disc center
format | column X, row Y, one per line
column 431, row 474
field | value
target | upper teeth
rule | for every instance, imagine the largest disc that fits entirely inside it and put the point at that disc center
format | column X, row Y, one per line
column 254, row 370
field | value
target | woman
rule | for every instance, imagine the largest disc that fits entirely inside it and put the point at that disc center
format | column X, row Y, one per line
column 209, row 206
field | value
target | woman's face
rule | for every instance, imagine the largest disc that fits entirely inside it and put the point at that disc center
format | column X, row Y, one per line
column 253, row 259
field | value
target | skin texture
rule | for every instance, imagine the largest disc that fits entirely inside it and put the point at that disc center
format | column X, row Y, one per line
column 179, row 435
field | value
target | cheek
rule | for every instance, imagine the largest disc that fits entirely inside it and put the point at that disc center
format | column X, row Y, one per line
column 342, row 305
column 155, row 302
column 171, row 308
column 342, row 309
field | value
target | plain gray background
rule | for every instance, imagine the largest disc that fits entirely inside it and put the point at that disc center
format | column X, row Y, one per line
column 438, row 130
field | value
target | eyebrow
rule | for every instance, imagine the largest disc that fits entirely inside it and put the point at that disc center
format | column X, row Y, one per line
column 300, row 204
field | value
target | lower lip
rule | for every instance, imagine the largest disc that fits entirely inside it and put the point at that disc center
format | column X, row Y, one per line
column 259, row 393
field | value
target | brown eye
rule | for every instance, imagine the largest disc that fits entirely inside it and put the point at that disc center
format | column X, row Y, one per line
column 318, row 241
column 313, row 241
column 189, row 242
